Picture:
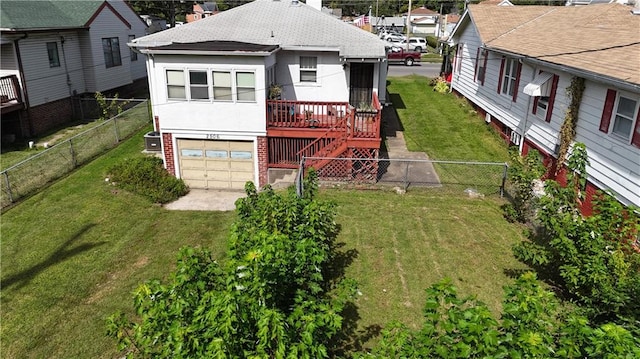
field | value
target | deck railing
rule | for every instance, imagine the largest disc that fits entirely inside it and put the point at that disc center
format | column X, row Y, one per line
column 10, row 89
column 304, row 114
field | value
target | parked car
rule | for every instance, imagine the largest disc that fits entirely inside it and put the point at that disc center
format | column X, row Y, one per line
column 397, row 54
column 395, row 37
column 415, row 43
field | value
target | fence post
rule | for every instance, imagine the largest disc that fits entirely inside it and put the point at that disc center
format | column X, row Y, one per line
column 300, row 179
column 6, row 179
column 504, row 179
column 406, row 177
column 115, row 128
column 74, row 161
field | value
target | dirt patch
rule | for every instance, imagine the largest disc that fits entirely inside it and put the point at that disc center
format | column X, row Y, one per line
column 104, row 288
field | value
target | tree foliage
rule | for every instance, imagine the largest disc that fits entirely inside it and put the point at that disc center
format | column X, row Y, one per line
column 275, row 297
column 532, row 326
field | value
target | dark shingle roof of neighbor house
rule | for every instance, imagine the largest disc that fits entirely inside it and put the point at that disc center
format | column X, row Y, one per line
column 209, row 6
column 30, row 15
column 603, row 39
column 290, row 25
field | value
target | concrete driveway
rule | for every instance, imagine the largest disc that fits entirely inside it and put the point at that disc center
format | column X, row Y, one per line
column 207, row 200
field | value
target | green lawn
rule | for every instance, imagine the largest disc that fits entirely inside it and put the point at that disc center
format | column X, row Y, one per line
column 72, row 254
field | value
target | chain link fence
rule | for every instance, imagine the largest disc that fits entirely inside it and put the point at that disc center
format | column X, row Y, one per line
column 34, row 173
column 470, row 178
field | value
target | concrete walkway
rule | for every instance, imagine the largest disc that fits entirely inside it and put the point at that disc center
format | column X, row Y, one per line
column 396, row 173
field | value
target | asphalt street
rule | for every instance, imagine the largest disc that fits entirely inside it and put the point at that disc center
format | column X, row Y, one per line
column 422, row 69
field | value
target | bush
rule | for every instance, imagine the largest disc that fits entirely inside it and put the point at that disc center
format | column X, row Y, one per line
column 432, row 41
column 147, row 177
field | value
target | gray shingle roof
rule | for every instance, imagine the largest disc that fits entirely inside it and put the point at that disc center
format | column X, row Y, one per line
column 269, row 22
column 31, row 15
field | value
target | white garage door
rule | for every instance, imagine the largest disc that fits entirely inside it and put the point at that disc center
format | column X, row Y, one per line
column 216, row 164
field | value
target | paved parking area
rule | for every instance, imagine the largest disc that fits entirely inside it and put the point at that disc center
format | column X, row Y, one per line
column 207, row 200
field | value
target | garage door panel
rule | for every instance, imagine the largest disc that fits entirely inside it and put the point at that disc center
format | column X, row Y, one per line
column 216, row 164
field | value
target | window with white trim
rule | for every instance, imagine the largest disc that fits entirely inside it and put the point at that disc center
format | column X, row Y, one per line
column 482, row 65
column 308, row 69
column 222, row 86
column 111, row 51
column 246, row 86
column 624, row 114
column 198, row 85
column 176, row 85
column 509, row 77
column 542, row 104
column 52, row 52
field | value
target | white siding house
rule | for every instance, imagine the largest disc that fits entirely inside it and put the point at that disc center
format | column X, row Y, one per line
column 516, row 72
column 56, row 50
column 209, row 82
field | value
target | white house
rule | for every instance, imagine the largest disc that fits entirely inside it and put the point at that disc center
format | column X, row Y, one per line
column 54, row 50
column 516, row 71
column 210, row 82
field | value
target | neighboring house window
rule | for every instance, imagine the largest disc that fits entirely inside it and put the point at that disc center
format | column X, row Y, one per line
column 52, row 51
column 176, row 85
column 308, row 69
column 623, row 110
column 509, row 78
column 222, row 86
column 132, row 54
column 481, row 65
column 111, row 50
column 459, row 57
column 246, row 86
column 198, row 85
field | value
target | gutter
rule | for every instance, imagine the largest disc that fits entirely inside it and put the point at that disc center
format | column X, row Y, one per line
column 147, row 51
column 628, row 86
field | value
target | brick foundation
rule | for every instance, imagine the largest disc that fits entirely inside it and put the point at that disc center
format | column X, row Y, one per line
column 263, row 161
column 50, row 115
column 167, row 148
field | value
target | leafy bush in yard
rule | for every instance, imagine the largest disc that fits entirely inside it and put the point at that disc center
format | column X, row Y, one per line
column 432, row 41
column 275, row 296
column 524, row 172
column 532, row 326
column 146, row 176
column 594, row 259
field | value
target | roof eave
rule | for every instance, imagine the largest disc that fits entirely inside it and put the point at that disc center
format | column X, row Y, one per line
column 150, row 51
column 42, row 29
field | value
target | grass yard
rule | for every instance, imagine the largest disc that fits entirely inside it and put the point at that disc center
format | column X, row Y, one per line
column 72, row 254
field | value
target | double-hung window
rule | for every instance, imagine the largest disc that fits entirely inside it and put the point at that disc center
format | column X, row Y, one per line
column 132, row 54
column 246, row 86
column 52, row 52
column 308, row 69
column 509, row 77
column 198, row 85
column 222, row 86
column 176, row 85
column 481, row 65
column 624, row 111
column 111, row 51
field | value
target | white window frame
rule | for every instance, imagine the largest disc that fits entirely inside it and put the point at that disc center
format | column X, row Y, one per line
column 193, row 86
column 230, row 87
column 53, row 54
column 239, row 88
column 541, row 112
column 509, row 77
column 615, row 114
column 176, row 85
column 308, row 70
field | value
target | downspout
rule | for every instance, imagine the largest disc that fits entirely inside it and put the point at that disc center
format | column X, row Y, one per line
column 24, row 83
column 66, row 71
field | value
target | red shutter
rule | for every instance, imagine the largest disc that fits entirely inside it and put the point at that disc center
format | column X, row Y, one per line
column 501, row 74
column 475, row 72
column 535, row 104
column 608, row 109
column 552, row 98
column 517, row 84
column 635, row 139
column 484, row 67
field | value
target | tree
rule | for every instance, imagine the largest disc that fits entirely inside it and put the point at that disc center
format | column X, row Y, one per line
column 169, row 10
column 275, row 297
column 532, row 326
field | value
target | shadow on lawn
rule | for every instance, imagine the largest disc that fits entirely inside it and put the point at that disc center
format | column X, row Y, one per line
column 59, row 255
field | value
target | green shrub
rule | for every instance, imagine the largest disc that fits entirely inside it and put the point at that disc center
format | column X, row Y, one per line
column 432, row 41
column 147, row 177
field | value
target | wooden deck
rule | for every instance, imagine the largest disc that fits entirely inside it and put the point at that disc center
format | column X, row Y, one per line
column 10, row 94
column 319, row 129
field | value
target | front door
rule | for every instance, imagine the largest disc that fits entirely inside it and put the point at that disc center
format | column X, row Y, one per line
column 361, row 84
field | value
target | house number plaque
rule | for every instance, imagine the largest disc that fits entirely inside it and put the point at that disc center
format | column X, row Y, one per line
column 213, row 136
